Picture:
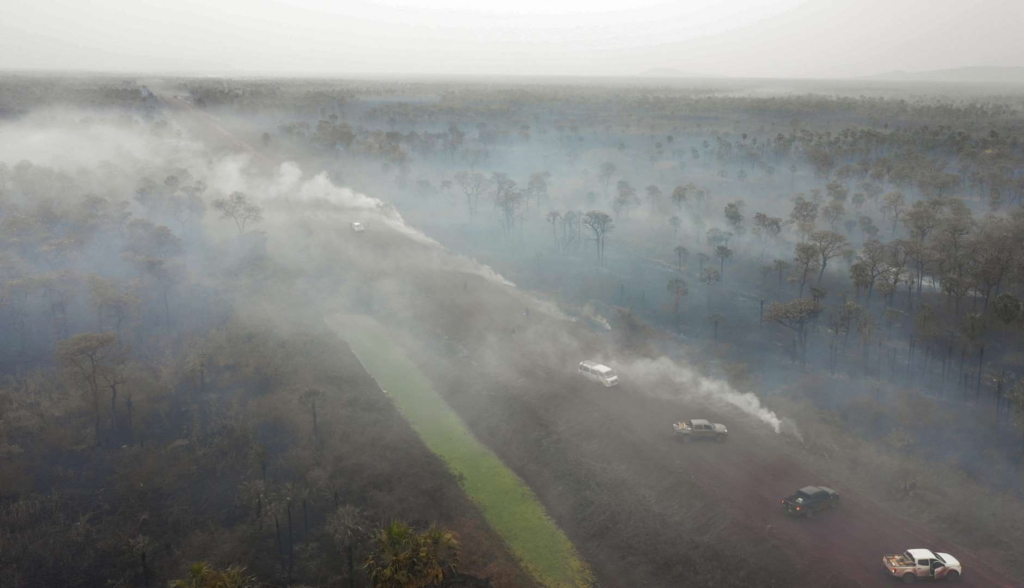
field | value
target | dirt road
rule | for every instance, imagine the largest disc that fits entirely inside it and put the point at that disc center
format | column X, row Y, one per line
column 755, row 468
column 567, row 437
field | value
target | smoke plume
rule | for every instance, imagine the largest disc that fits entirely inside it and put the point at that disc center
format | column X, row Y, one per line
column 686, row 382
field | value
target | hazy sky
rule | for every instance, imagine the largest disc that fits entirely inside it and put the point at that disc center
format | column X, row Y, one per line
column 764, row 38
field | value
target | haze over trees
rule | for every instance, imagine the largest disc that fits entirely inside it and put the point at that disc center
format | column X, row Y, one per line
column 861, row 254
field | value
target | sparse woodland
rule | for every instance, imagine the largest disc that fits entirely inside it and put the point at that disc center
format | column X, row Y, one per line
column 887, row 230
column 857, row 258
column 154, row 427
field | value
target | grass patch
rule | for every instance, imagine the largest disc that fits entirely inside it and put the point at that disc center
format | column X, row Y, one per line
column 507, row 503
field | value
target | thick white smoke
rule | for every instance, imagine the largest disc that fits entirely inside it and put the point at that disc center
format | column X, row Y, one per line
column 74, row 141
column 687, row 382
column 589, row 312
column 289, row 184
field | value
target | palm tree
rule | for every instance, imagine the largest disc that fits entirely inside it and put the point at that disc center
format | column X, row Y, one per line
column 346, row 526
column 254, row 495
column 715, row 319
column 259, row 457
column 202, row 575
column 709, row 276
column 723, row 253
column 140, row 546
column 554, row 217
column 781, row 266
column 682, row 254
column 311, row 398
column 196, row 578
column 404, row 559
column 677, row 287
column 702, row 258
column 289, row 495
column 441, row 550
column 305, row 495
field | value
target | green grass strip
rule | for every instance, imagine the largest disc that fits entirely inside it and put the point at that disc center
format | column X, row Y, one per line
column 506, row 501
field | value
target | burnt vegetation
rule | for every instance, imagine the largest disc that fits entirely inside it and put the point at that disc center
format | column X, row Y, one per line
column 169, row 394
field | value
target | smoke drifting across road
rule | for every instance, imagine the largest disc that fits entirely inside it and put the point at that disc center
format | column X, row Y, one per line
column 686, row 382
column 288, row 187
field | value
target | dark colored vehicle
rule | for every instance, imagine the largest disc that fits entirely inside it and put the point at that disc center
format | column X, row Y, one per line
column 809, row 500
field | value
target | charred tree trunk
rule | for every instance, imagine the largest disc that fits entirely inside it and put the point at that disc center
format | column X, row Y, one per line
column 130, row 409
column 291, row 545
column 880, row 358
column 316, row 432
column 948, row 365
column 999, row 395
column 927, row 356
column 802, row 341
column 910, row 360
column 350, row 549
column 305, row 520
column 866, row 352
column 96, row 410
column 981, row 360
column 277, row 533
column 113, row 405
column 963, row 355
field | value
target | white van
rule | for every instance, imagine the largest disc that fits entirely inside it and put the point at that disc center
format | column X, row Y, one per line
column 598, row 373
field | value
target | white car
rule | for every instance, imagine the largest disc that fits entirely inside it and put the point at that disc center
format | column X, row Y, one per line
column 358, row 227
column 921, row 564
column 596, row 372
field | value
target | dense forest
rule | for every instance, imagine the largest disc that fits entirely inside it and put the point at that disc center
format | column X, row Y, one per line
column 837, row 267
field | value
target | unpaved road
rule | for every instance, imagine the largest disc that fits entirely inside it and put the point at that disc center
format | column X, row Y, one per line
column 730, row 491
column 754, row 469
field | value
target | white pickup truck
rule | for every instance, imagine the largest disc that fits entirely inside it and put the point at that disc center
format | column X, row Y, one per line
column 700, row 429
column 921, row 564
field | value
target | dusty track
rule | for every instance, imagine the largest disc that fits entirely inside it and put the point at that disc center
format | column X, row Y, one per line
column 755, row 468
column 558, row 432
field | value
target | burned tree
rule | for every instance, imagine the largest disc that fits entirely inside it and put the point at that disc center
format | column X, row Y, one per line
column 677, row 287
column 238, row 208
column 600, row 224
column 86, row 357
column 795, row 316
